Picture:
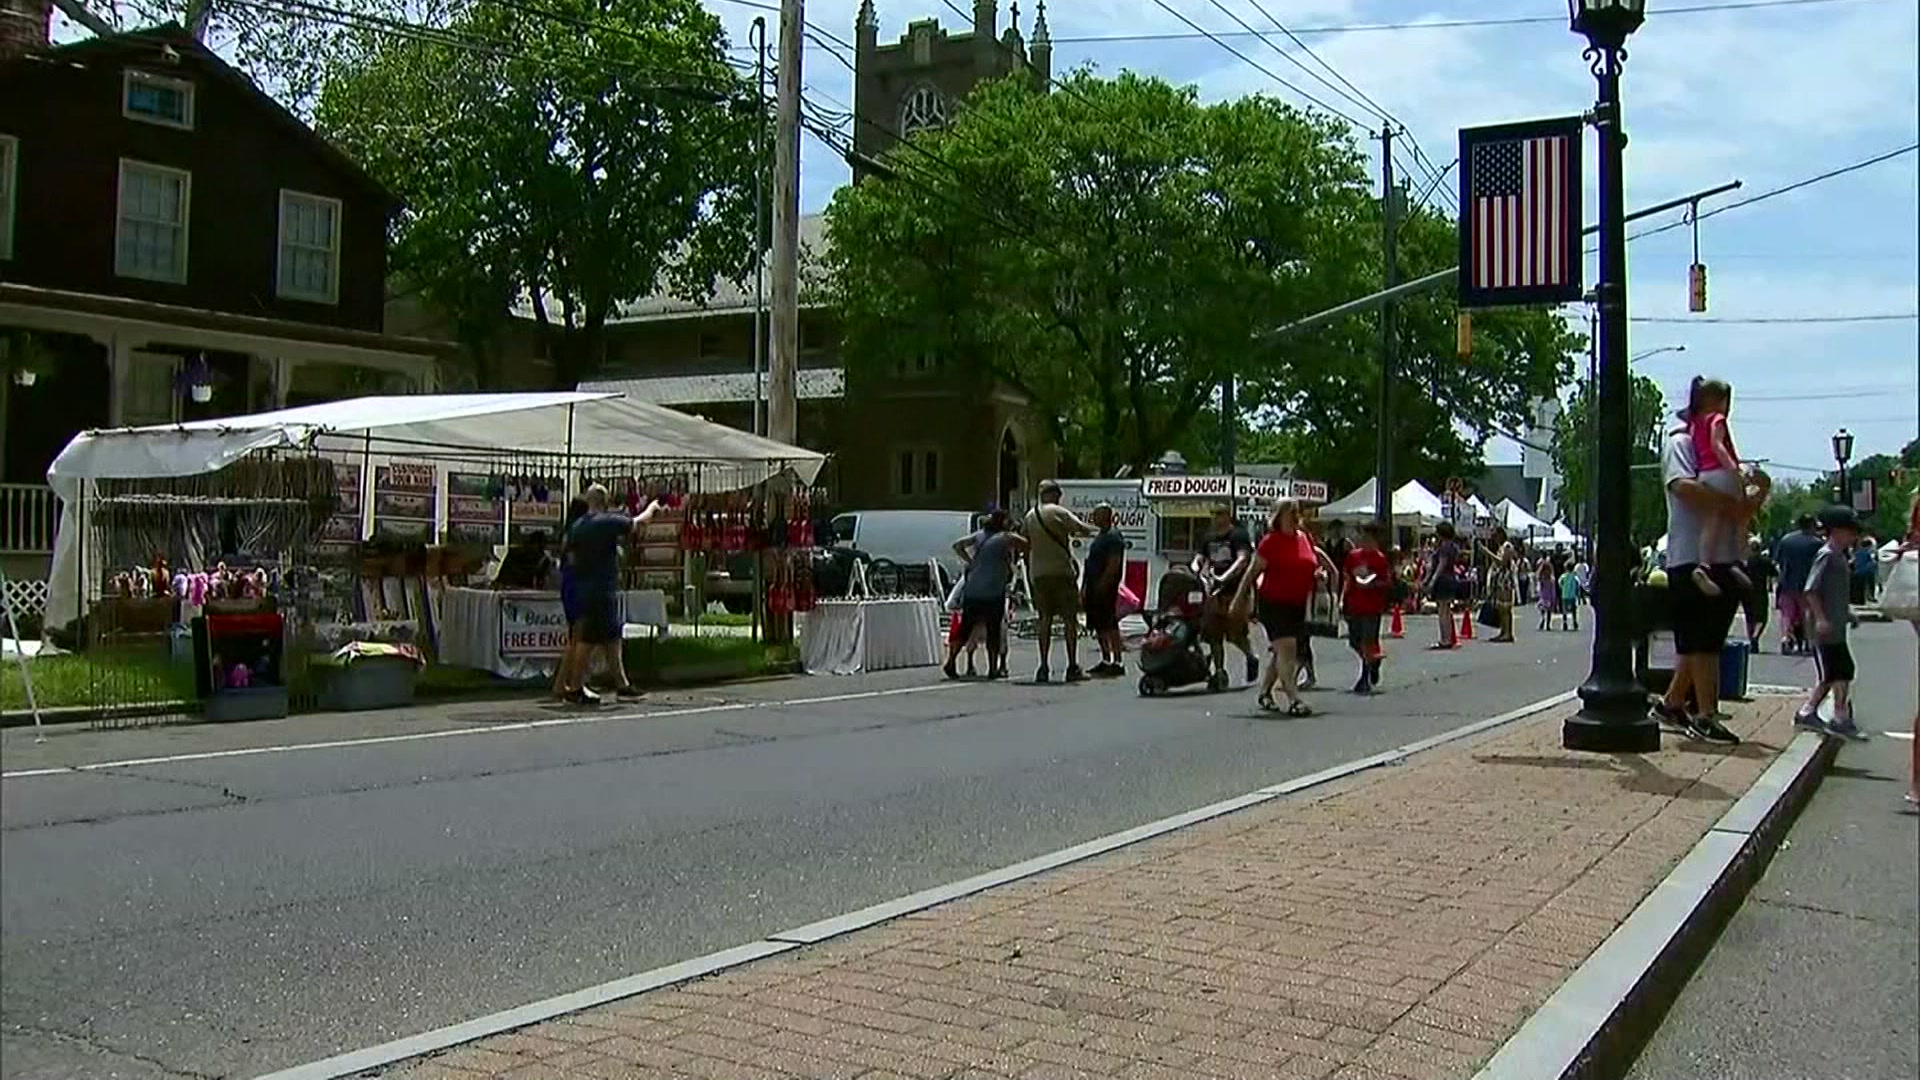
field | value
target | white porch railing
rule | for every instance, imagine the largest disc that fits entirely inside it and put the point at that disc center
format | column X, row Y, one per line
column 27, row 515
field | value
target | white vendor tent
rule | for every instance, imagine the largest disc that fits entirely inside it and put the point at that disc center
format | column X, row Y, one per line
column 1519, row 524
column 1558, row 535
column 1413, row 505
column 582, row 425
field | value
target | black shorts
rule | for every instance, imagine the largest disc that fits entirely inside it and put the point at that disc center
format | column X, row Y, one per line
column 1363, row 630
column 1833, row 661
column 1283, row 620
column 599, row 615
column 1700, row 622
column 1101, row 610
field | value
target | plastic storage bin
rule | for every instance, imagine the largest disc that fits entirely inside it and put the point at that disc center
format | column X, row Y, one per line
column 369, row 682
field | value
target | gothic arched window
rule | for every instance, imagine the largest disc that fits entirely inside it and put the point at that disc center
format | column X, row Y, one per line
column 923, row 108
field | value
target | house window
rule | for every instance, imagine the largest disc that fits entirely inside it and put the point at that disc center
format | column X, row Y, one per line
column 157, row 99
column 916, row 472
column 811, row 338
column 152, row 236
column 309, row 247
column 709, row 346
column 9, row 174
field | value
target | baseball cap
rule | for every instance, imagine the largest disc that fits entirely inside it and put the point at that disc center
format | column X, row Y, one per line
column 1839, row 517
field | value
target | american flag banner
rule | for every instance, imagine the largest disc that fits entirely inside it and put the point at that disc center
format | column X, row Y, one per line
column 1520, row 215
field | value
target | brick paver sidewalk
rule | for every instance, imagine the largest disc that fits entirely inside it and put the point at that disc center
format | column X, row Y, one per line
column 1401, row 926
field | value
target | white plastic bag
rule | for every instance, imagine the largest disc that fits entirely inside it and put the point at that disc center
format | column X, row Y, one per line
column 953, row 594
column 1900, row 586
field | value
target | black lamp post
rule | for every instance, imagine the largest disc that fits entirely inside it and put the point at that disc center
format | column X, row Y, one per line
column 1843, row 453
column 1613, row 714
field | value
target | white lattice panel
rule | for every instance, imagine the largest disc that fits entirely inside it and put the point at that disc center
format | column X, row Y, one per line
column 26, row 597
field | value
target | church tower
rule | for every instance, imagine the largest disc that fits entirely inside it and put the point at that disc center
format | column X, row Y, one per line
column 916, row 82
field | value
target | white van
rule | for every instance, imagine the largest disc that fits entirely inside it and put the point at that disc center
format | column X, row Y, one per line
column 906, row 537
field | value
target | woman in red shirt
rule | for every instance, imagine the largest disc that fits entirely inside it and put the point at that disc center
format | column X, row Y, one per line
column 1366, row 580
column 1287, row 567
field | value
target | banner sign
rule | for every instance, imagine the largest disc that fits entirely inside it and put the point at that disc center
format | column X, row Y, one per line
column 532, row 627
column 473, row 516
column 1246, row 488
column 1520, row 214
column 340, row 533
column 404, row 501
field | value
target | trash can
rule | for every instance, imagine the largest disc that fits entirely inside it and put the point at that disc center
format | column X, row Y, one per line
column 1651, row 619
column 1734, row 659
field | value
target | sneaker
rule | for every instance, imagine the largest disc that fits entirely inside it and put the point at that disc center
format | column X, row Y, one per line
column 947, row 670
column 1042, row 674
column 1307, row 681
column 1362, row 686
column 1846, row 729
column 1075, row 675
column 1672, row 719
column 583, row 696
column 629, row 692
column 1808, row 721
column 1712, row 730
column 1373, row 672
column 996, row 673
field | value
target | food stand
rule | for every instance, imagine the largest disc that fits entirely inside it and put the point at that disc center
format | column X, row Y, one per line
column 1181, row 508
column 368, row 521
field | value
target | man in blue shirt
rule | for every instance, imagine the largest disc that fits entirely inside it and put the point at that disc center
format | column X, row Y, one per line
column 1794, row 556
column 1100, row 592
column 593, row 553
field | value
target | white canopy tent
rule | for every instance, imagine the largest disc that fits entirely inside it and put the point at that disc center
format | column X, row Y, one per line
column 581, row 425
column 1412, row 504
column 1519, row 524
column 1557, row 535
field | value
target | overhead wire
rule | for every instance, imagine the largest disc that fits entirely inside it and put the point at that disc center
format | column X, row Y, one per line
column 1250, row 61
column 1897, row 316
column 1779, row 191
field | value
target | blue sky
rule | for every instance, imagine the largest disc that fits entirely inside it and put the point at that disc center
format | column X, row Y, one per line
column 1767, row 96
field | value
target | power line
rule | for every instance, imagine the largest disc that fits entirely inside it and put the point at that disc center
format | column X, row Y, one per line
column 1747, row 399
column 1790, row 319
column 1439, row 24
column 1250, row 61
column 1782, row 190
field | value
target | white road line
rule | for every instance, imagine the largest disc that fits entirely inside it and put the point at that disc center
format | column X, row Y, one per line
column 491, row 729
column 1907, row 735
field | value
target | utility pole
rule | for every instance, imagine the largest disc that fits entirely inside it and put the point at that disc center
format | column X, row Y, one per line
column 782, row 406
column 1389, row 333
column 760, row 225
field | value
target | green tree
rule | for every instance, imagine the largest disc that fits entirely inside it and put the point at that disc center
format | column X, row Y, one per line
column 1115, row 248
column 1107, row 250
column 1323, row 392
column 609, row 152
column 1573, row 449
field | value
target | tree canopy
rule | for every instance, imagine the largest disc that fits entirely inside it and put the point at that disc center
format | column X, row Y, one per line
column 606, row 153
column 1115, row 248
column 1573, row 452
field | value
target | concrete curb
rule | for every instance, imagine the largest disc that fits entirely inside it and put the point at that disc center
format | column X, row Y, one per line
column 368, row 1061
column 1595, row 1025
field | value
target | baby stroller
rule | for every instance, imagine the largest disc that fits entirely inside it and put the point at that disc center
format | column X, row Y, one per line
column 1173, row 655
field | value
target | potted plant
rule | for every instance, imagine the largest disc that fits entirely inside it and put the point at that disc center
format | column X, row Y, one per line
column 25, row 356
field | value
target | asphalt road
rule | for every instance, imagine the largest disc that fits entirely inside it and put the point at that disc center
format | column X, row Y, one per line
column 227, row 916
column 1817, row 976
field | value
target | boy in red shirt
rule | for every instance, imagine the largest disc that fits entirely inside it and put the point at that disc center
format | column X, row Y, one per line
column 1367, row 579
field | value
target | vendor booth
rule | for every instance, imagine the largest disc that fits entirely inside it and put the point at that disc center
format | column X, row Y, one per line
column 1183, row 507
column 376, row 521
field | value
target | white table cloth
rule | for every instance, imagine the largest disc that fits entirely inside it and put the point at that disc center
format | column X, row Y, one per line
column 471, row 627
column 843, row 637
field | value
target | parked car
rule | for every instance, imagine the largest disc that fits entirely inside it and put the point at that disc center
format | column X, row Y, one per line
column 907, row 538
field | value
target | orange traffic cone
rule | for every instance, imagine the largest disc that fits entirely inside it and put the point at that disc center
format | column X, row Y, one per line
column 1466, row 624
column 1397, row 627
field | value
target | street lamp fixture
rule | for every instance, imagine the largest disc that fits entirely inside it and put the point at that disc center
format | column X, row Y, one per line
column 1656, row 352
column 1613, row 711
column 1843, row 453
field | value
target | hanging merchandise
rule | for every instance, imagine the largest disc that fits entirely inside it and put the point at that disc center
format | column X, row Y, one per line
column 780, row 595
column 803, row 596
column 691, row 539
